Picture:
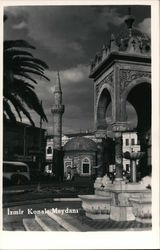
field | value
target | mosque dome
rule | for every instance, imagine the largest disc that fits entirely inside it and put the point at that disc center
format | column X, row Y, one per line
column 80, row 144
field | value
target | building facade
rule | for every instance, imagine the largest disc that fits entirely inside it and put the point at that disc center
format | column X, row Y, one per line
column 130, row 144
column 21, row 142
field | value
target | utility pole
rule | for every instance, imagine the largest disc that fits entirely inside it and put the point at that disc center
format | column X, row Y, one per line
column 40, row 153
column 40, row 143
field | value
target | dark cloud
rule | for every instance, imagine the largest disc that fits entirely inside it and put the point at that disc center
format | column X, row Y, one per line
column 67, row 37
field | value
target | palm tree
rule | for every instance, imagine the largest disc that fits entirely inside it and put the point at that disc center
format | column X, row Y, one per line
column 18, row 89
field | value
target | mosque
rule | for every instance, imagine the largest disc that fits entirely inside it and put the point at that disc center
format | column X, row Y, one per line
column 80, row 151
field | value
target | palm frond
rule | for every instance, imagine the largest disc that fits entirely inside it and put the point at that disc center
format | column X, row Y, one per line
column 22, row 63
column 26, row 69
column 21, row 82
column 25, row 75
column 27, row 114
column 10, row 53
column 16, row 103
column 36, row 72
column 32, row 101
column 27, row 95
column 32, row 59
column 19, row 85
column 17, row 44
column 7, row 109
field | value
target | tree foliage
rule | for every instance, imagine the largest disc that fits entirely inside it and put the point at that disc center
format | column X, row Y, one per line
column 20, row 69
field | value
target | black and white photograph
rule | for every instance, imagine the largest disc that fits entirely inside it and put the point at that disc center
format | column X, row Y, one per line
column 77, row 118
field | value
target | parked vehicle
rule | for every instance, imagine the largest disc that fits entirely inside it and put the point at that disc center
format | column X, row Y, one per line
column 15, row 173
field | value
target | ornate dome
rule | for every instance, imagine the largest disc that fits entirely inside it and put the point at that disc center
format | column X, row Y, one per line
column 129, row 40
column 80, row 144
column 125, row 35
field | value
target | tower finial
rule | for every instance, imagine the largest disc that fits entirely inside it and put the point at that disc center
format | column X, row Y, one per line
column 129, row 21
column 58, row 85
column 58, row 75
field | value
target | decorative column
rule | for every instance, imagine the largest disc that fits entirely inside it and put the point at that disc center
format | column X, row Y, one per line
column 133, row 170
column 118, row 128
column 101, row 136
column 99, row 153
column 118, row 155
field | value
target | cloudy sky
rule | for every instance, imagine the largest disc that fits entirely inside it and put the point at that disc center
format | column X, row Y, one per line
column 67, row 38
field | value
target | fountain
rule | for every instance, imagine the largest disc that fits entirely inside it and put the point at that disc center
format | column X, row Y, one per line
column 133, row 157
column 119, row 200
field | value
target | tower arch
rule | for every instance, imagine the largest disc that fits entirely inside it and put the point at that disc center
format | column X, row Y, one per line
column 138, row 94
column 103, row 100
column 134, row 83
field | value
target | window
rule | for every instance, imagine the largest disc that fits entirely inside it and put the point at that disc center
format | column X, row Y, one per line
column 132, row 141
column 49, row 150
column 86, row 166
column 68, row 164
column 68, row 170
column 127, row 167
column 127, row 142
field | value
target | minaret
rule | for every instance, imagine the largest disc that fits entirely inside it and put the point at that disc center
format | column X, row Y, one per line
column 57, row 111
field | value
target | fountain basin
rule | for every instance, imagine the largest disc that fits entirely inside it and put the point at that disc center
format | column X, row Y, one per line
column 96, row 207
column 142, row 206
column 119, row 202
column 133, row 155
column 119, row 187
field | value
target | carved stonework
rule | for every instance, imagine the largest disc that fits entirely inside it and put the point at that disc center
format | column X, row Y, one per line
column 126, row 76
column 59, row 109
column 108, row 79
